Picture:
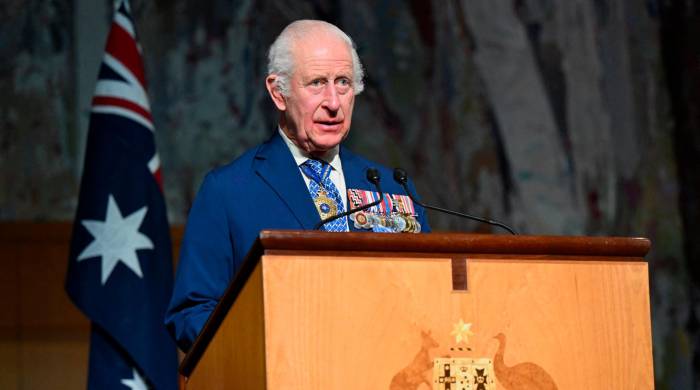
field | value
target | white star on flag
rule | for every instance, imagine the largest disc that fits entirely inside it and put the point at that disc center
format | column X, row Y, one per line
column 116, row 239
column 136, row 382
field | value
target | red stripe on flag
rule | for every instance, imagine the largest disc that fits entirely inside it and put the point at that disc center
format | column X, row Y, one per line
column 123, row 103
column 159, row 178
column 122, row 46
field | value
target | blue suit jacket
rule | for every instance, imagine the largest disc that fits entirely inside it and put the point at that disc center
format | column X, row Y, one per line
column 262, row 189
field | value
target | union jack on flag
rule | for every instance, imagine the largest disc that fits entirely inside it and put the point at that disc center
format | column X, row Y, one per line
column 120, row 265
column 121, row 84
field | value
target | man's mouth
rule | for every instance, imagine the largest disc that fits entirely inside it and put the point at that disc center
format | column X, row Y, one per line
column 329, row 125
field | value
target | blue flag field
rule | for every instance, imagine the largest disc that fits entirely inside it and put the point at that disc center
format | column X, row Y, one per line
column 120, row 267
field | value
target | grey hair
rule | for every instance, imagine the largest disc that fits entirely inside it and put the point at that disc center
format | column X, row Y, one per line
column 281, row 58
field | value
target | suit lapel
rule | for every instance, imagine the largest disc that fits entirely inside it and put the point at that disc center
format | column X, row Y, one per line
column 355, row 173
column 276, row 166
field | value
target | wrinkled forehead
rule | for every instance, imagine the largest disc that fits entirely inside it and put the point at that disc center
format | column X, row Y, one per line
column 321, row 48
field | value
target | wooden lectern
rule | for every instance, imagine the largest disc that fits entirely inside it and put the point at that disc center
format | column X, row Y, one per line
column 316, row 310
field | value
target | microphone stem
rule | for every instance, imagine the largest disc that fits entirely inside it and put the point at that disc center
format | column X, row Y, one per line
column 458, row 214
column 474, row 217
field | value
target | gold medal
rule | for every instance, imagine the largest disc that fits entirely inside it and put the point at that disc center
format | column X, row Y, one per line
column 326, row 206
column 415, row 225
column 401, row 223
column 411, row 224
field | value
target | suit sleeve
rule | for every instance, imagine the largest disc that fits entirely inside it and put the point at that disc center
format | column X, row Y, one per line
column 205, row 264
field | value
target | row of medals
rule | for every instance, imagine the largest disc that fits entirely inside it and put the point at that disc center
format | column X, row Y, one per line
column 398, row 222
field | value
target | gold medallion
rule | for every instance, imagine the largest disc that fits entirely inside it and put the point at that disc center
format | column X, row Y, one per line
column 410, row 224
column 407, row 224
column 326, row 206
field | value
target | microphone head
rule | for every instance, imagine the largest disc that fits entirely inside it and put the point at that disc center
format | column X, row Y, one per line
column 400, row 176
column 373, row 175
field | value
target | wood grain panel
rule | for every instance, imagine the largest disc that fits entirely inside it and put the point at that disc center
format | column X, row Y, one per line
column 47, row 335
column 9, row 321
column 343, row 322
column 455, row 245
column 43, row 337
column 238, row 347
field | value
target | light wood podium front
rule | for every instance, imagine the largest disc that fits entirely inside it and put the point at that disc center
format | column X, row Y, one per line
column 316, row 310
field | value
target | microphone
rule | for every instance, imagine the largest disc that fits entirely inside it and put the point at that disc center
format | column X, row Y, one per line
column 373, row 177
column 402, row 178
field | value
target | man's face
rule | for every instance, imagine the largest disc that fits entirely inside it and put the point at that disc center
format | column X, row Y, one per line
column 318, row 111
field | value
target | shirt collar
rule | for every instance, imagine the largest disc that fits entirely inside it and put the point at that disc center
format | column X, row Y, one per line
column 300, row 156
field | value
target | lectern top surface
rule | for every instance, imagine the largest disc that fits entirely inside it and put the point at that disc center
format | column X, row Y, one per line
column 454, row 243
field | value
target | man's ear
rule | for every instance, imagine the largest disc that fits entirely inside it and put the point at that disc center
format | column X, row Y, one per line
column 277, row 97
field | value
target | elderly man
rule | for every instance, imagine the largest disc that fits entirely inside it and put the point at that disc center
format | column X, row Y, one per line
column 292, row 181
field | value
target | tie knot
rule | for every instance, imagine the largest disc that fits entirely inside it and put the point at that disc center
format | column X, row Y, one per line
column 316, row 170
column 317, row 165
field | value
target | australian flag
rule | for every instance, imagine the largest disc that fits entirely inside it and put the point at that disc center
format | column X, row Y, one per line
column 120, row 266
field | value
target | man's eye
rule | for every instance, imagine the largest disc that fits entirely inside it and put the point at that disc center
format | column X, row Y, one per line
column 316, row 83
column 344, row 82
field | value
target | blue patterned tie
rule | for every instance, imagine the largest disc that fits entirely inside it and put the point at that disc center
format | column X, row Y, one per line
column 325, row 194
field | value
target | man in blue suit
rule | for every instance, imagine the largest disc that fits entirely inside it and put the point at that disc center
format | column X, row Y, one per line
column 291, row 181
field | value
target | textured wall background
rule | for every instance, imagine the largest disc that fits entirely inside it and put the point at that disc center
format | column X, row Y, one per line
column 558, row 117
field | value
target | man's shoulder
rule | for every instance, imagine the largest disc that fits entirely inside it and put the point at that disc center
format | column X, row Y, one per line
column 240, row 164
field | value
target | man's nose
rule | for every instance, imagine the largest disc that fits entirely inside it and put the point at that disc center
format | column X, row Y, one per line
column 331, row 99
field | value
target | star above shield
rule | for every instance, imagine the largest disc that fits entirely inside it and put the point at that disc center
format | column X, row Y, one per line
column 462, row 332
column 116, row 239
